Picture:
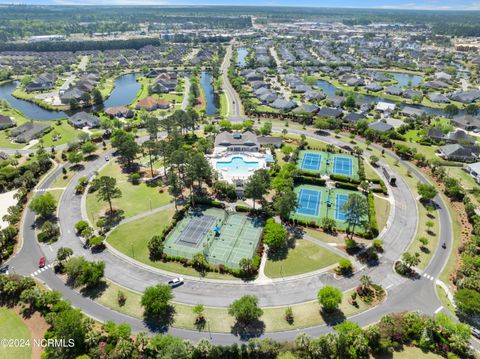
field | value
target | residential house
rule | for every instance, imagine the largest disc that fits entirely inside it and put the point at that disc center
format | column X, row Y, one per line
column 84, row 119
column 6, row 122
column 380, row 126
column 28, row 131
column 44, row 81
column 150, row 104
column 438, row 98
column 474, row 170
column 466, row 122
column 283, row 105
column 119, row 112
column 329, row 112
column 457, row 152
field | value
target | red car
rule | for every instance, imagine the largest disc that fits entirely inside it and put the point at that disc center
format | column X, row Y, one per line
column 41, row 262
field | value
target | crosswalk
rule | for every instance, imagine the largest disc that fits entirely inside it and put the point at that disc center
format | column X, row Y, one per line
column 428, row 276
column 40, row 270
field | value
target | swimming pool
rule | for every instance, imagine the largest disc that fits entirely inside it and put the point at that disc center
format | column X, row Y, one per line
column 238, row 167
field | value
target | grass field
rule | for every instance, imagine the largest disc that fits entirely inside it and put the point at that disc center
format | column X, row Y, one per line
column 12, row 327
column 64, row 132
column 382, row 210
column 409, row 353
column 425, row 254
column 135, row 199
column 305, row 314
column 305, row 257
column 132, row 239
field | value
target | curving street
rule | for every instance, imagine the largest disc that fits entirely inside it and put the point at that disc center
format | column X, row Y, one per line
column 403, row 294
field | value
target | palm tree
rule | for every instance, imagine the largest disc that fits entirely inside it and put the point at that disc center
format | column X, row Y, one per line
column 366, row 282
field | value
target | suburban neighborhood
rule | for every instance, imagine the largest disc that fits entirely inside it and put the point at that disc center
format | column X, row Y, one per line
column 239, row 181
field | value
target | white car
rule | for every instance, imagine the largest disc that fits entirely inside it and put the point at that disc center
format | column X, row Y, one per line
column 175, row 282
column 476, row 332
column 107, row 158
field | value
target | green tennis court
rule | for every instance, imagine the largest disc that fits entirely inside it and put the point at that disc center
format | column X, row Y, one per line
column 325, row 163
column 224, row 238
column 328, row 203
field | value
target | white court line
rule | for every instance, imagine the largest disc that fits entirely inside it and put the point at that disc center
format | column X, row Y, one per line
column 389, row 286
column 438, row 309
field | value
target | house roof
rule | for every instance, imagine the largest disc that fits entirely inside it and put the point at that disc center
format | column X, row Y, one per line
column 247, row 138
column 269, row 140
column 380, row 126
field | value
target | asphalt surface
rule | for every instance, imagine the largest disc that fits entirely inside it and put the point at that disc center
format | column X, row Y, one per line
column 234, row 105
column 403, row 294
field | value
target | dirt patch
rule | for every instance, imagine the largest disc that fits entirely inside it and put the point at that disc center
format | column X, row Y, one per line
column 37, row 326
column 200, row 103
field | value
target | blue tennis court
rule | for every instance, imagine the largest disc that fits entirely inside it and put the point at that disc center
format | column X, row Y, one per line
column 311, row 161
column 340, row 201
column 342, row 166
column 309, row 202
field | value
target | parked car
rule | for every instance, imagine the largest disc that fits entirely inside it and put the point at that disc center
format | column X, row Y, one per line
column 41, row 262
column 175, row 282
column 476, row 332
column 107, row 158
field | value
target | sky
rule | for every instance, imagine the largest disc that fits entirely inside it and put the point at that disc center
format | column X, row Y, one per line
column 381, row 4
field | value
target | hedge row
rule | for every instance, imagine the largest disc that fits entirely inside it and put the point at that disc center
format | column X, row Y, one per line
column 344, row 185
column 371, row 216
column 342, row 178
column 381, row 183
column 309, row 180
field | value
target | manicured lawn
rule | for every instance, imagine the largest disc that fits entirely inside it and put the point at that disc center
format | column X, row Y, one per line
column 452, row 260
column 223, row 105
column 56, row 193
column 12, row 327
column 132, row 239
column 413, row 135
column 322, row 236
column 305, row 257
column 370, row 173
column 305, row 314
column 382, row 211
column 442, row 296
column 135, row 199
column 428, row 151
column 64, row 132
column 409, row 353
column 416, row 246
column 5, row 141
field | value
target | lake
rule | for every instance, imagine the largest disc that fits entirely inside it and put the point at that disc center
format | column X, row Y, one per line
column 124, row 92
column 330, row 89
column 407, row 80
column 241, row 54
column 212, row 103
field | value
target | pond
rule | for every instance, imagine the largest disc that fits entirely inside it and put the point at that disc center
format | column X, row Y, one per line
column 124, row 92
column 327, row 88
column 212, row 104
column 29, row 109
column 407, row 80
column 241, row 54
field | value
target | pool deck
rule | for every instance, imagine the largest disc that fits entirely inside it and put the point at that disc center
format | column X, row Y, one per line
column 218, row 158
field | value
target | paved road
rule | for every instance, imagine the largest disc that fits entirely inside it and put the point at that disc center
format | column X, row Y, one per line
column 234, row 105
column 221, row 294
column 403, row 294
